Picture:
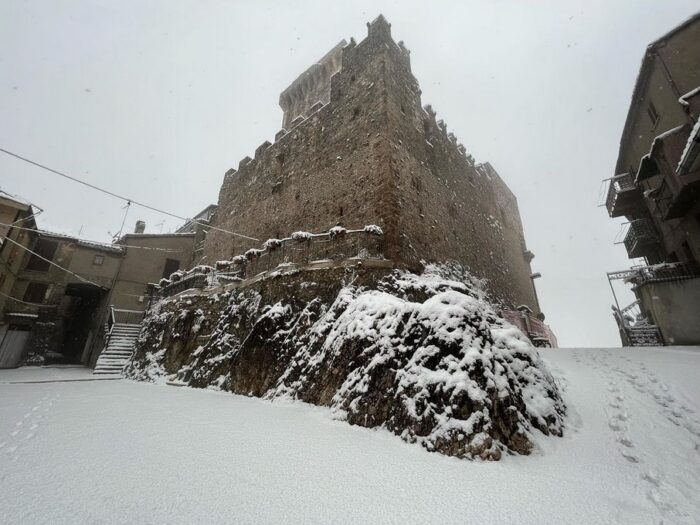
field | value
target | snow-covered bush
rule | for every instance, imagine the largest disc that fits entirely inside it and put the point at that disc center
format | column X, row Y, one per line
column 337, row 231
column 253, row 253
column 302, row 236
column 201, row 268
column 164, row 282
column 176, row 276
column 272, row 244
column 373, row 229
column 223, row 266
column 240, row 260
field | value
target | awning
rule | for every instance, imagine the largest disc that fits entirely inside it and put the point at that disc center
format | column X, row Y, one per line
column 647, row 169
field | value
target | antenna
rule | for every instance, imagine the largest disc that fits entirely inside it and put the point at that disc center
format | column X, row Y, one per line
column 121, row 228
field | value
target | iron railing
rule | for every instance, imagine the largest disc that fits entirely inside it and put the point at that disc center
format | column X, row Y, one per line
column 635, row 328
column 121, row 316
column 297, row 251
column 641, row 234
column 194, row 280
column 622, row 195
column 666, row 272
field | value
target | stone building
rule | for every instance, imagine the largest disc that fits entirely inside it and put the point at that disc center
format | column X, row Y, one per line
column 656, row 187
column 56, row 304
column 13, row 212
column 59, row 307
column 357, row 148
column 197, row 226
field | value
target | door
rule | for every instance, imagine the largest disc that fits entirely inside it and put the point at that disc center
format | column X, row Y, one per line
column 12, row 346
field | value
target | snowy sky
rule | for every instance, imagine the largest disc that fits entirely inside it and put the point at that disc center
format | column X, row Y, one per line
column 156, row 100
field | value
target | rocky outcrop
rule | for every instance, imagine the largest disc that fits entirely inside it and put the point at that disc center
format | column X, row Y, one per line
column 424, row 356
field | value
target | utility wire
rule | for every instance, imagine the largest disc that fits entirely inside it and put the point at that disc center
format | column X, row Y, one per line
column 14, row 225
column 123, row 198
column 56, row 265
column 19, row 300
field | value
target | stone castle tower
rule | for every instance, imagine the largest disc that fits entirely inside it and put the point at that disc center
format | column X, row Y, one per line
column 358, row 148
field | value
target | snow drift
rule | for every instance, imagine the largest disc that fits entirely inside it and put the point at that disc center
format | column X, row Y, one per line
column 424, row 356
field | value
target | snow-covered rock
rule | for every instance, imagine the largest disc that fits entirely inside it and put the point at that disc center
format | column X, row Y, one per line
column 424, row 356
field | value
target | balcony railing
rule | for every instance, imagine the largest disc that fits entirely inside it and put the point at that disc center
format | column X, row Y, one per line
column 623, row 196
column 120, row 316
column 641, row 237
column 665, row 272
column 635, row 328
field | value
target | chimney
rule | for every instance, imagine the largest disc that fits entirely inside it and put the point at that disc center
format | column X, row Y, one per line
column 140, row 227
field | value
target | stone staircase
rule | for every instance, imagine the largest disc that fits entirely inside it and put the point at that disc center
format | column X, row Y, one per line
column 120, row 346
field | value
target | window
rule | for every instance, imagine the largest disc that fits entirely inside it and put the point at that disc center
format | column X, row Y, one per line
column 35, row 292
column 653, row 114
column 98, row 260
column 687, row 252
column 171, row 266
column 45, row 249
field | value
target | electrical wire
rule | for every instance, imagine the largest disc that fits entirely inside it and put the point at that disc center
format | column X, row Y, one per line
column 20, row 300
column 74, row 179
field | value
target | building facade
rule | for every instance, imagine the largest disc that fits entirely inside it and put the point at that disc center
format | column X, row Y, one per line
column 656, row 187
column 59, row 291
column 357, row 148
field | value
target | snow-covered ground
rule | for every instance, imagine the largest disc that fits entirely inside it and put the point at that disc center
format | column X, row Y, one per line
column 126, row 452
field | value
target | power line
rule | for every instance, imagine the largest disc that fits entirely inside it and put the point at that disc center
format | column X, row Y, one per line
column 56, row 265
column 19, row 300
column 74, row 179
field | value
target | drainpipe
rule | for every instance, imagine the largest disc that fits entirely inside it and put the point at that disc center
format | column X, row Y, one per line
column 534, row 276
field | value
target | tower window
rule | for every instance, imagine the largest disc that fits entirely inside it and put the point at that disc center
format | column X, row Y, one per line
column 44, row 252
column 171, row 266
column 653, row 114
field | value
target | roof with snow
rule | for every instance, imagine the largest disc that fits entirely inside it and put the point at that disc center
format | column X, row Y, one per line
column 641, row 84
column 96, row 245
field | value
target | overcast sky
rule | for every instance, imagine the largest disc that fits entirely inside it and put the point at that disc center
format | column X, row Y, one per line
column 157, row 99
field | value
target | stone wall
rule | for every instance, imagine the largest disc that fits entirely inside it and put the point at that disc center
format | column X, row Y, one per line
column 449, row 207
column 329, row 169
column 373, row 155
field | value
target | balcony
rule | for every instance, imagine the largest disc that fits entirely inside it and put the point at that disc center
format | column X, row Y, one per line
column 680, row 204
column 623, row 196
column 641, row 238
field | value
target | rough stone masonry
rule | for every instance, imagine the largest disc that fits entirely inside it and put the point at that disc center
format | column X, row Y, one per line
column 357, row 148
